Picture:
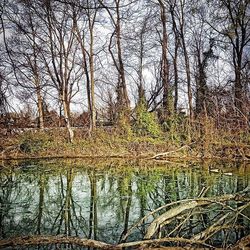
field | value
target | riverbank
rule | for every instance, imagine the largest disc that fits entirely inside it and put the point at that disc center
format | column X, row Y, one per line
column 110, row 143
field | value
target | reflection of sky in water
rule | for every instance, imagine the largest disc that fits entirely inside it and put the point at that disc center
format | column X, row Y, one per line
column 69, row 200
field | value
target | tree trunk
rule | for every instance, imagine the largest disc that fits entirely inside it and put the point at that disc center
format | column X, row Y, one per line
column 165, row 63
column 123, row 102
column 123, row 99
column 201, row 87
column 176, row 76
column 141, row 92
column 67, row 117
column 92, row 80
column 176, row 53
column 238, row 91
column 89, row 75
column 188, row 73
column 187, row 63
column 40, row 108
column 37, row 82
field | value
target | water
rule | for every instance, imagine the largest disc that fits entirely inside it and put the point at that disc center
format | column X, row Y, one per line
column 102, row 200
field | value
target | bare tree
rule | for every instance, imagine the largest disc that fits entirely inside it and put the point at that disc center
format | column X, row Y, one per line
column 164, row 61
column 177, row 44
column 89, row 13
column 231, row 20
column 27, row 57
column 123, row 102
column 182, row 25
column 3, row 87
column 60, row 58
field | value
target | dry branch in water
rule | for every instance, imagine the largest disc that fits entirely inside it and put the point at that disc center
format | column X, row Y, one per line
column 175, row 211
column 165, row 154
column 223, row 223
column 180, row 208
column 225, row 220
column 47, row 240
column 177, row 208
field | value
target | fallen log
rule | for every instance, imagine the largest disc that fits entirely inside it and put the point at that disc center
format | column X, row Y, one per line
column 47, row 240
column 182, row 205
column 171, row 213
column 166, row 217
column 165, row 154
column 162, row 240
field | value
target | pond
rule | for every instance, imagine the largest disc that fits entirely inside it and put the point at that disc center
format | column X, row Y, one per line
column 103, row 199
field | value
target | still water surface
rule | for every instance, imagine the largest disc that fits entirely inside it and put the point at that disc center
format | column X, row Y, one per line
column 101, row 200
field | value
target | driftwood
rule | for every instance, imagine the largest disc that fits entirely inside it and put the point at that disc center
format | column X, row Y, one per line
column 180, row 206
column 165, row 154
column 162, row 240
column 142, row 220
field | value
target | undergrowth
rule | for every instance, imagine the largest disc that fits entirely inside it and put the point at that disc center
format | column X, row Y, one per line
column 144, row 137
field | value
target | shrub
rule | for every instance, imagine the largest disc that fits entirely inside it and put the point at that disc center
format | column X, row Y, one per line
column 146, row 122
column 32, row 142
column 175, row 126
column 123, row 124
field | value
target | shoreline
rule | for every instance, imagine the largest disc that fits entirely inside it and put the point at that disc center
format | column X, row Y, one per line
column 127, row 157
column 105, row 145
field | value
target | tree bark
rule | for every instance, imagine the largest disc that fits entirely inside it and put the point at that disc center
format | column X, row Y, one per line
column 92, row 68
column 67, row 117
column 187, row 63
column 40, row 107
column 165, row 63
column 124, row 102
column 175, row 57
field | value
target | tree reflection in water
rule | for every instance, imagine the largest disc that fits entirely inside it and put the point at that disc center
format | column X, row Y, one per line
column 102, row 203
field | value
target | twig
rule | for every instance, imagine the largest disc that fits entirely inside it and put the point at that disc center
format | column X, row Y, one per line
column 10, row 148
column 242, row 243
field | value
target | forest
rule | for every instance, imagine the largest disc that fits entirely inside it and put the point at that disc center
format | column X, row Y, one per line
column 124, row 124
column 177, row 70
